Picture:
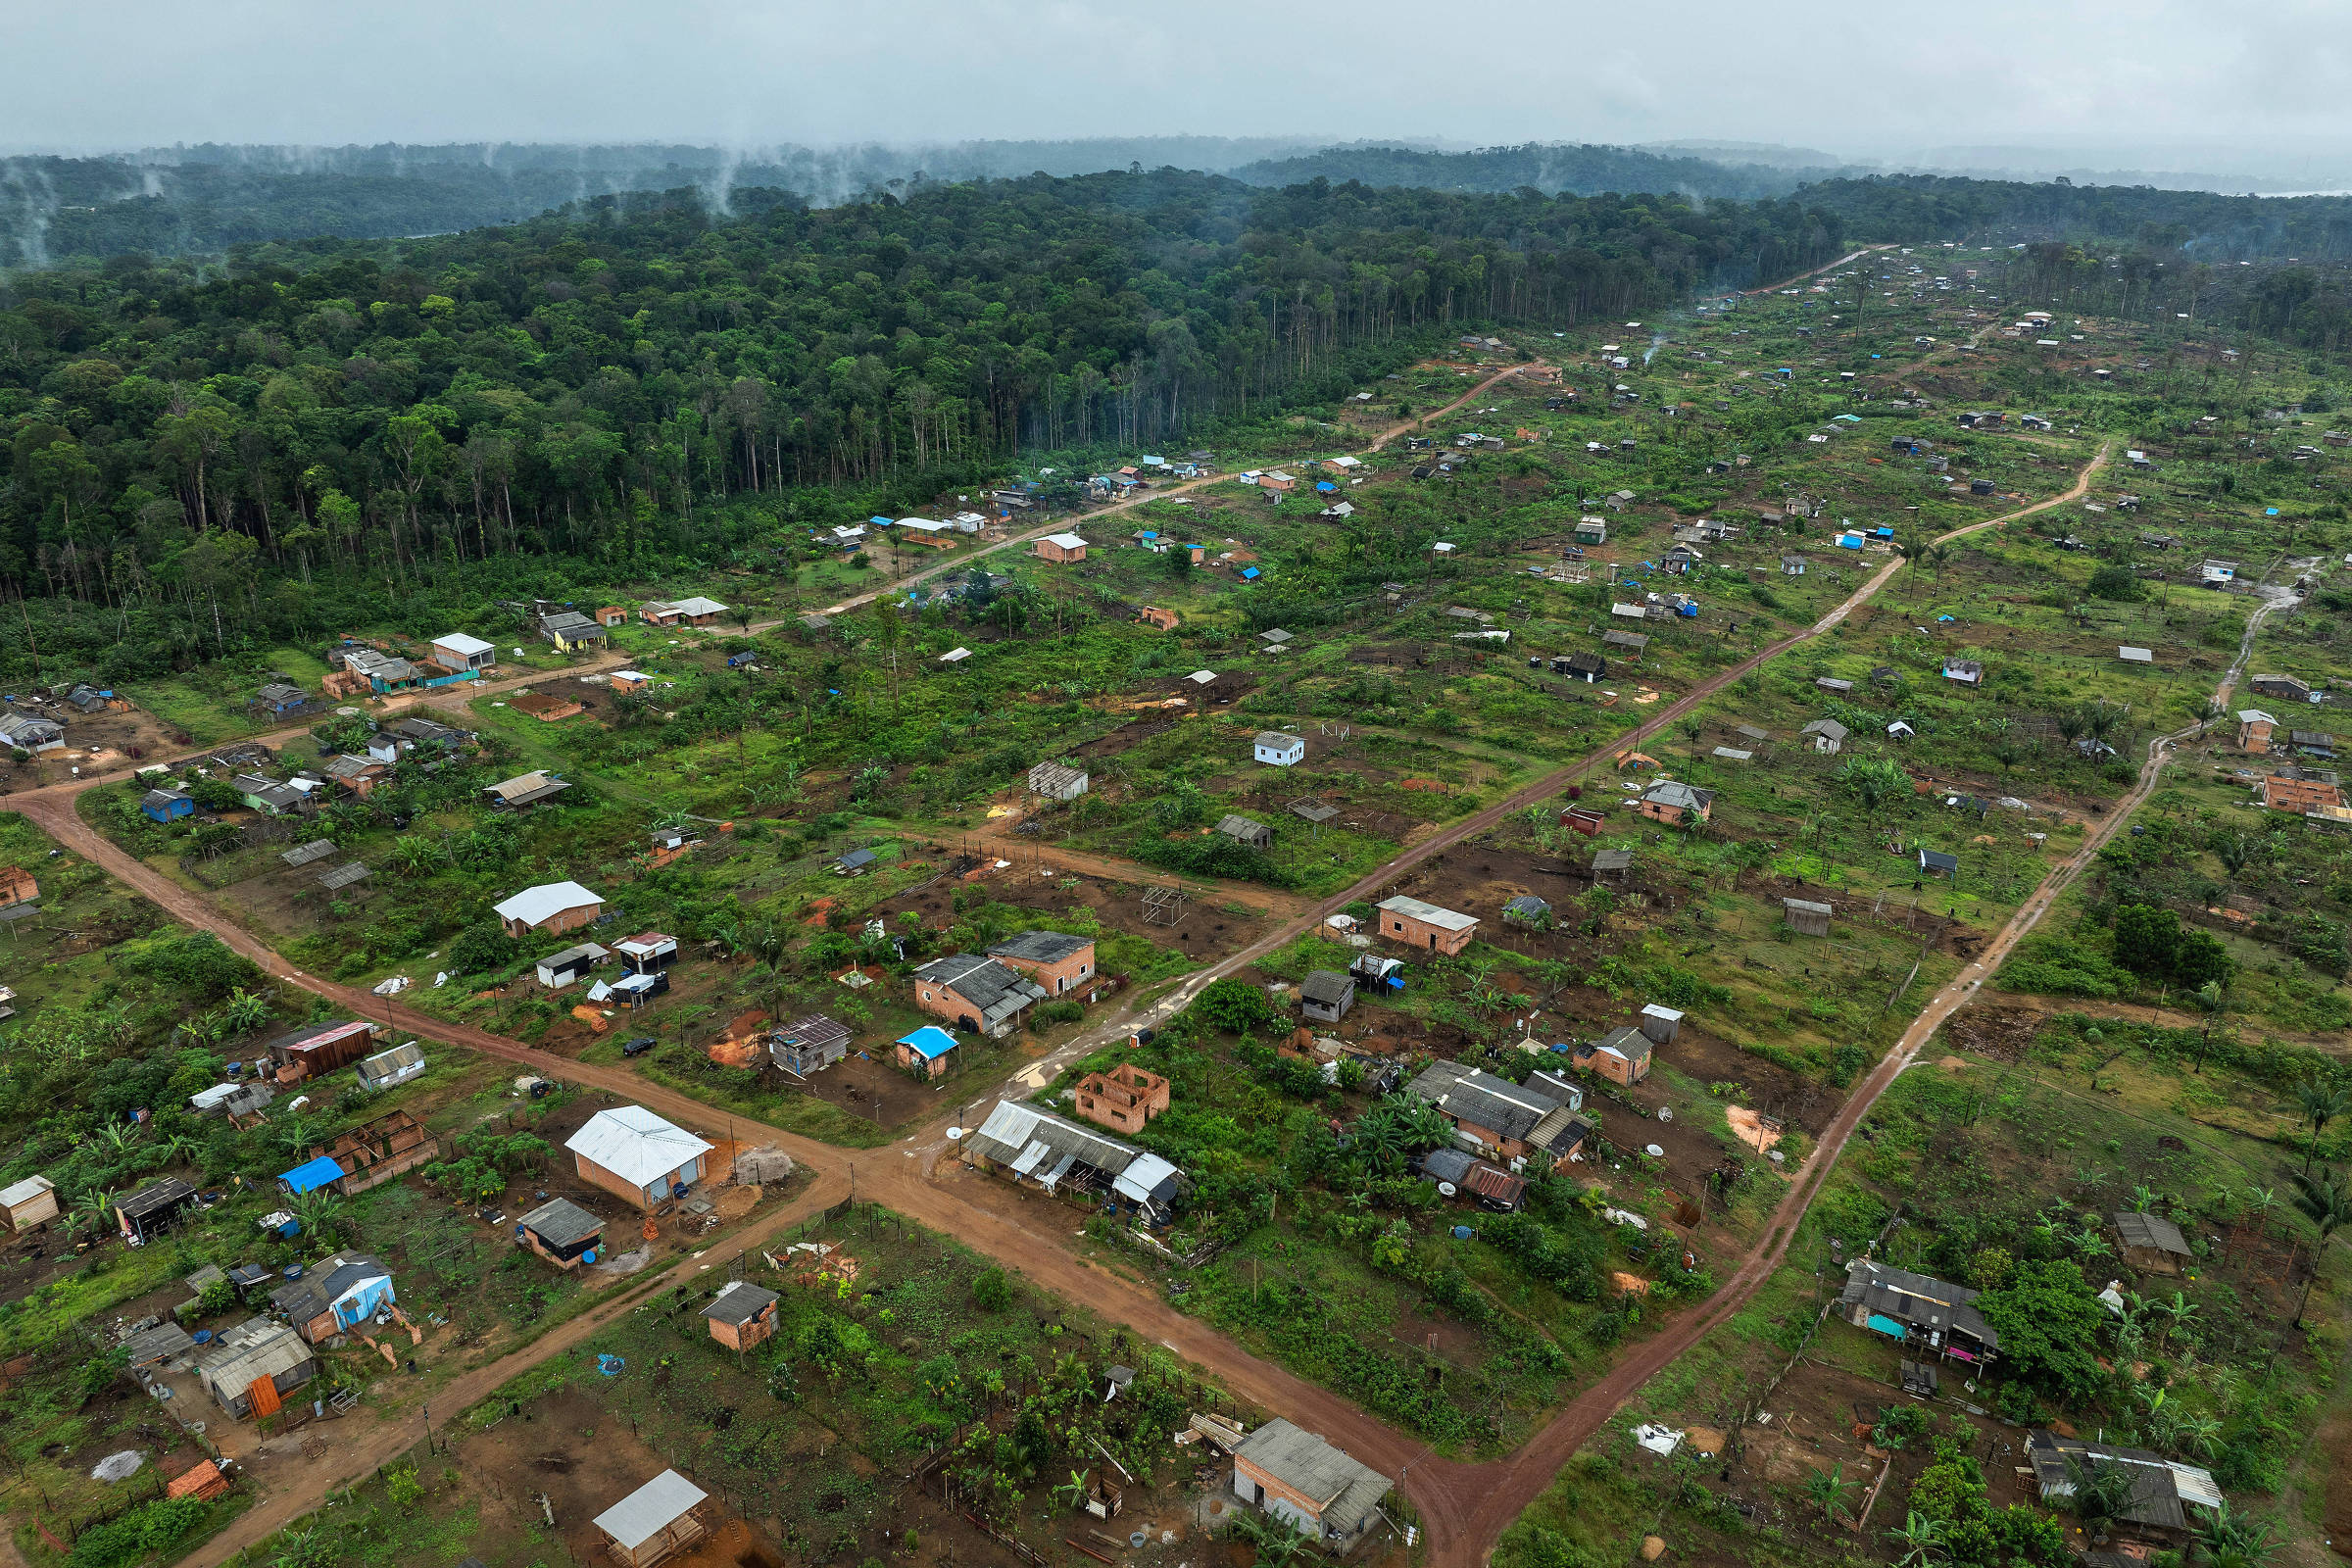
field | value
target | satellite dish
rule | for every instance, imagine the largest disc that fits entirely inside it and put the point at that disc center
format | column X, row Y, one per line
column 1445, row 1189
column 955, row 1133
column 1654, row 1152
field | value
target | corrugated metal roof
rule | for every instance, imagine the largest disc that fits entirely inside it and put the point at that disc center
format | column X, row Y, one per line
column 1429, row 913
column 635, row 1145
column 649, row 1510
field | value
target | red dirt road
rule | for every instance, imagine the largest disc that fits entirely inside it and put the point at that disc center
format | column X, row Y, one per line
column 1465, row 1507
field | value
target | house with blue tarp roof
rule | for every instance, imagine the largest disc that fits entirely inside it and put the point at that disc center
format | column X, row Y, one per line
column 312, row 1175
column 1250, row 574
column 925, row 1051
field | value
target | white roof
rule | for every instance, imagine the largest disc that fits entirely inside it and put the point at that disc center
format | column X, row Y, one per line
column 956, row 655
column 549, row 898
column 2136, row 655
column 630, row 674
column 697, row 605
column 635, row 1145
column 1276, row 740
column 465, row 646
column 1670, row 1014
column 1202, row 677
column 2254, row 715
column 1067, row 541
column 1429, row 913
column 649, row 1510
column 31, row 1188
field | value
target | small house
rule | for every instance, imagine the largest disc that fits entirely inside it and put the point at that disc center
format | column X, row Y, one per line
column 1123, row 1100
column 1792, row 566
column 656, row 1521
column 30, row 1204
column 250, row 1368
column 455, row 651
column 161, row 806
column 1326, row 995
column 1426, row 925
column 387, row 1069
column 1493, row 1114
column 1587, row 667
column 1056, row 782
column 979, row 993
column 2285, row 687
column 559, row 969
column 30, row 732
column 316, row 1050
column 154, row 1209
column 1244, row 831
column 278, row 699
column 336, row 1296
column 562, row 1232
column 648, row 951
column 742, row 1315
column 2254, row 727
column 1468, row 1176
column 1296, row 1477
column 2153, row 1243
column 1672, row 801
column 551, row 908
column 1967, row 671
column 1622, row 1055
column 853, row 863
column 1054, row 959
column 694, row 611
column 1386, row 973
column 633, row 1153
column 1829, row 736
column 635, row 991
column 1935, row 862
column 1917, row 1309
column 1061, row 547
column 1277, row 749
column 1660, row 1024
column 1806, row 918
column 808, row 1046
column 2152, row 1511
column 925, row 1052
column 1028, row 1145
column 571, row 631
column 1153, row 616
column 1591, row 532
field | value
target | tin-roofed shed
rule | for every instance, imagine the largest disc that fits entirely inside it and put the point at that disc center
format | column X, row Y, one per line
column 657, row 1520
column 1806, row 918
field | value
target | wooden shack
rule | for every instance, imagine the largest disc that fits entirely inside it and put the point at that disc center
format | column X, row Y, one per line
column 657, row 1520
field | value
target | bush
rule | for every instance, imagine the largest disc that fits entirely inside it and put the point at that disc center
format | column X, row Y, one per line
column 1233, row 1007
column 992, row 1291
column 2116, row 582
column 151, row 1529
column 482, row 947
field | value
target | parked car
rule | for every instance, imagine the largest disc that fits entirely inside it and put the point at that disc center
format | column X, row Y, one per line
column 639, row 1045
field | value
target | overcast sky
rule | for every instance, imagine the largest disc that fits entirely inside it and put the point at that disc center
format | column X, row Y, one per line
column 2269, row 81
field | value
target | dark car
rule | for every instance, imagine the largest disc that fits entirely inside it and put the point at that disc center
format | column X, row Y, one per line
column 639, row 1045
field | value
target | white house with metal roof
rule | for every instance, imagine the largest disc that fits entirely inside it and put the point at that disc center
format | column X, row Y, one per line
column 633, row 1153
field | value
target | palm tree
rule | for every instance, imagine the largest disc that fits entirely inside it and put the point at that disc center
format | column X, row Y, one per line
column 1826, row 1489
column 1072, row 1491
column 2320, row 1101
column 319, row 1212
column 2179, row 1309
column 2328, row 1205
column 93, row 1206
column 2259, row 1200
column 1922, row 1540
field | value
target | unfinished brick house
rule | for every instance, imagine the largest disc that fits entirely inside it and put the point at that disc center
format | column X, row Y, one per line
column 1426, row 925
column 1123, row 1100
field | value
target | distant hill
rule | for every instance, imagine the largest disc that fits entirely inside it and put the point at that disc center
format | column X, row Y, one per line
column 1549, row 167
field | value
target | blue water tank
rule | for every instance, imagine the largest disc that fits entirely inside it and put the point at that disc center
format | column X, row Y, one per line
column 589, row 1256
column 1463, row 1233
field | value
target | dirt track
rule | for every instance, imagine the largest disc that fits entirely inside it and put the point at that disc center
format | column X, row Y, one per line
column 1465, row 1507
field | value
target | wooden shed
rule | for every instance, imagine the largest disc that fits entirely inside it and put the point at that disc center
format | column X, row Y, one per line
column 30, row 1204
column 1806, row 918
column 657, row 1519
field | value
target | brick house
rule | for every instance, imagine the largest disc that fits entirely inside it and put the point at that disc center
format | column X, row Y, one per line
column 1058, row 961
column 1622, row 1056
column 1061, row 547
column 2282, row 792
column 1153, row 616
column 2254, row 728
column 1122, row 1100
column 1300, row 1479
column 1507, row 1120
column 742, row 1315
column 982, row 994
column 633, row 1153
column 18, row 885
column 550, row 909
column 1672, row 801
column 1425, row 925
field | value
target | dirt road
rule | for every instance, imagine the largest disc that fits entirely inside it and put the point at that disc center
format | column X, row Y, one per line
column 1465, row 1505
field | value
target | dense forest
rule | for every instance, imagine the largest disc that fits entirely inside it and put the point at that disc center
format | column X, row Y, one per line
column 205, row 200
column 2202, row 225
column 183, row 451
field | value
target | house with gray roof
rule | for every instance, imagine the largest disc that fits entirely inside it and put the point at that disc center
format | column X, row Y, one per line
column 255, row 1352
column 2153, row 1243
column 1918, row 1309
column 973, row 993
column 1296, row 1476
column 1493, row 1114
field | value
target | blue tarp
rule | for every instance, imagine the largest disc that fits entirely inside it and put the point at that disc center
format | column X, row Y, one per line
column 930, row 1042
column 308, row 1178
column 1250, row 574
column 1888, row 1326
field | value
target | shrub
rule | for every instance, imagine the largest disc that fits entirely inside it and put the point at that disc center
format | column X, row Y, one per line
column 992, row 1291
